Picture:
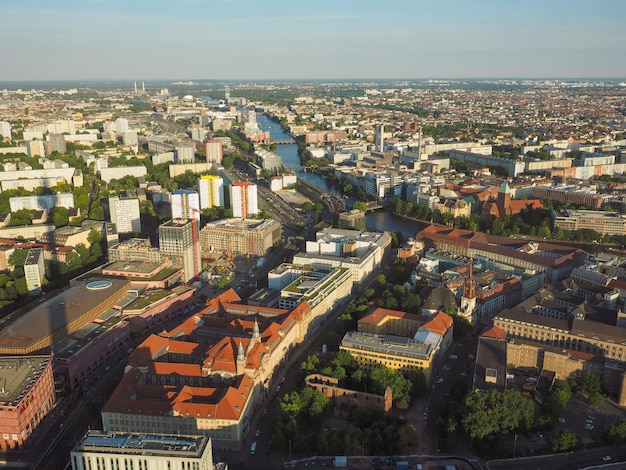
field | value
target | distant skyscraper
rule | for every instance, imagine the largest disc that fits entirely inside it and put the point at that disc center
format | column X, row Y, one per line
column 185, row 204
column 226, row 93
column 5, row 129
column 180, row 247
column 243, row 199
column 380, row 138
column 211, row 191
column 213, row 150
column 125, row 214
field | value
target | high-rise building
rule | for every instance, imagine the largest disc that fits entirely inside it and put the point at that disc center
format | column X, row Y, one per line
column 130, row 138
column 185, row 204
column 243, row 199
column 5, row 130
column 125, row 214
column 56, row 143
column 380, row 138
column 185, row 154
column 35, row 148
column 34, row 270
column 180, row 247
column 213, row 150
column 211, row 191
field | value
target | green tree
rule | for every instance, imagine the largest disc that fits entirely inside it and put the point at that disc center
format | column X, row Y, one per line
column 497, row 412
column 564, row 441
column 18, row 258
column 615, row 434
column 359, row 205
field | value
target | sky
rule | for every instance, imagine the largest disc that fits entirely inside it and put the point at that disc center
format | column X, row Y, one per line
column 315, row 39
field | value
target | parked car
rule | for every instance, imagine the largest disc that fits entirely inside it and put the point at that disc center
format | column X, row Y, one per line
column 606, row 458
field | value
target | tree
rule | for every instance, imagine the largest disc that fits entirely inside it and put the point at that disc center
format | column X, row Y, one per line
column 496, row 412
column 615, row 434
column 359, row 205
column 563, row 441
column 18, row 258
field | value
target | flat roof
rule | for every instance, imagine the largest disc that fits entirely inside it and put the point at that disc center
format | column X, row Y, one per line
column 17, row 374
column 132, row 266
column 48, row 315
column 142, row 444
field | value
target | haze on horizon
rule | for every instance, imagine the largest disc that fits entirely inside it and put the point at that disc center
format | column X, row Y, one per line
column 288, row 39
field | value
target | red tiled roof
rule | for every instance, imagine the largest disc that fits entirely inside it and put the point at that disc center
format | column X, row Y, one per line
column 439, row 324
column 494, row 332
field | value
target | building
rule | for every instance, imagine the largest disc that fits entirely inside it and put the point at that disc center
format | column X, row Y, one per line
column 185, row 204
column 129, row 138
column 566, row 335
column 41, row 202
column 244, row 199
column 240, row 236
column 213, row 151
column 185, row 154
column 352, row 220
column 124, row 212
column 556, row 261
column 361, row 252
column 26, row 397
column 574, row 195
column 5, row 130
column 119, row 172
column 125, row 451
column 419, row 352
column 49, row 322
column 504, row 205
column 35, row 149
column 34, row 270
column 56, row 143
column 211, row 188
column 208, row 374
column 180, row 247
column 603, row 222
column 299, row 284
column 383, row 321
column 134, row 249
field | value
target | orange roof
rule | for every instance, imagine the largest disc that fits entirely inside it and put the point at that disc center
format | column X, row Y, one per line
column 494, row 332
column 381, row 315
column 439, row 324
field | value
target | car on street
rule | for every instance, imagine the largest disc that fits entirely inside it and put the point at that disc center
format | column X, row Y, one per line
column 606, row 458
column 440, row 380
column 589, row 427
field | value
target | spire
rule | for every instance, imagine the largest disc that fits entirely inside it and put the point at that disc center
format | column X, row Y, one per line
column 255, row 331
column 240, row 354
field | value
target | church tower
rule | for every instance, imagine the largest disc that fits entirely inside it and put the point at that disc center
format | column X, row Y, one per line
column 504, row 198
column 468, row 300
column 241, row 359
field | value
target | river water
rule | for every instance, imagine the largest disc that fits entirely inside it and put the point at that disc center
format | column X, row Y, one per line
column 380, row 221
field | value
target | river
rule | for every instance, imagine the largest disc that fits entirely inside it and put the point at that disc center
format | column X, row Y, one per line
column 379, row 221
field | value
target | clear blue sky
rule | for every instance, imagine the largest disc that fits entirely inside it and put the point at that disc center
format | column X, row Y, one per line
column 289, row 39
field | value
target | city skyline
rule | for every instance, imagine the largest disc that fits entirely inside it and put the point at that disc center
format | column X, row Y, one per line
column 246, row 40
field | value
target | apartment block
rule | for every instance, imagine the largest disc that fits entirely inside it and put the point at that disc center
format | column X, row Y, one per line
column 180, row 247
column 125, row 215
column 244, row 199
column 211, row 189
